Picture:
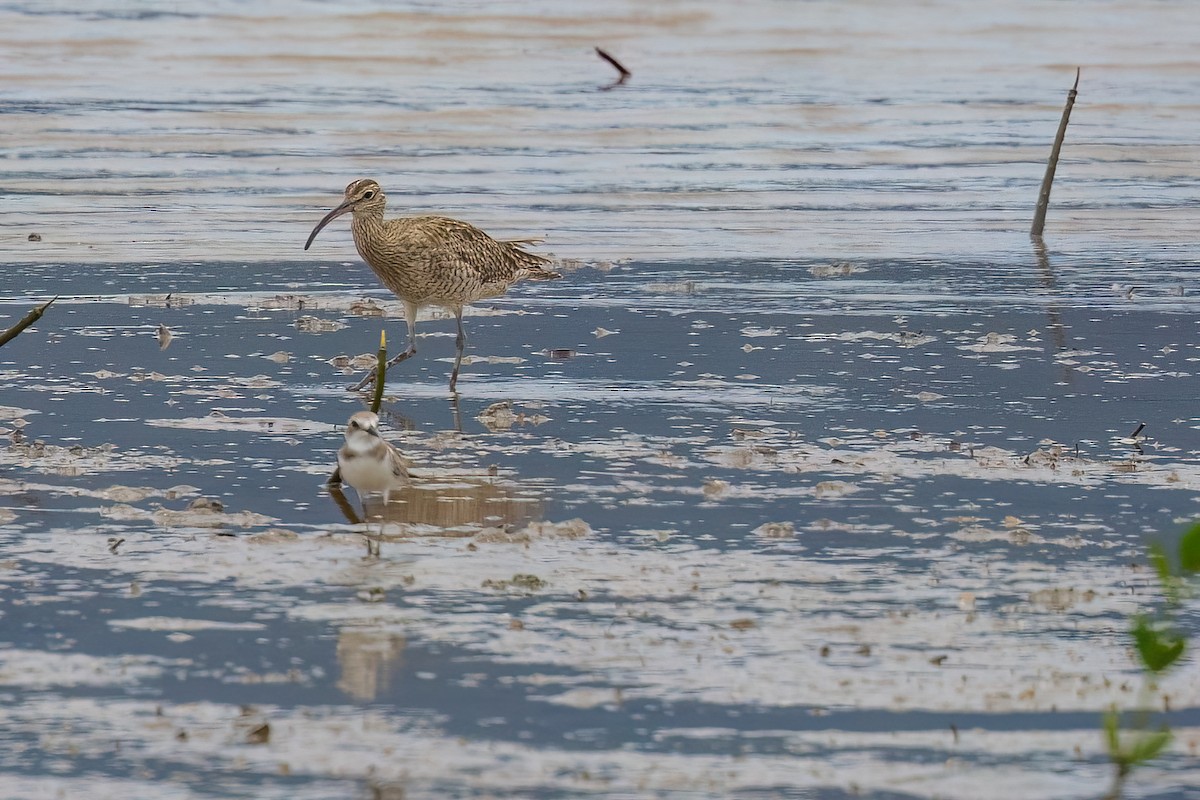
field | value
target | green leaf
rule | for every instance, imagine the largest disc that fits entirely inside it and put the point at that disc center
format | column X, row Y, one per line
column 1189, row 549
column 1158, row 650
column 1148, row 746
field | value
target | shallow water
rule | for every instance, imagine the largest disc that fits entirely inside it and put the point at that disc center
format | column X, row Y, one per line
column 833, row 495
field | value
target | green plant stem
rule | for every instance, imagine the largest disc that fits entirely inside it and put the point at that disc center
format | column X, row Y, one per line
column 1160, row 644
column 380, row 371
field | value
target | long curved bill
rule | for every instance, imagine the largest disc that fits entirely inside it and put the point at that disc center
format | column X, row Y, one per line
column 330, row 217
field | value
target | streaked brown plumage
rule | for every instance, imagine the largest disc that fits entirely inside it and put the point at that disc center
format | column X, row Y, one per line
column 432, row 261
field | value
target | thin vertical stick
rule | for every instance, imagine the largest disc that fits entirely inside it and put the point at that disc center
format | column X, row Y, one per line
column 1039, row 216
column 380, row 371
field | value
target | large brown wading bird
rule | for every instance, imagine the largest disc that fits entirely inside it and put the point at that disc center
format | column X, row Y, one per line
column 432, row 261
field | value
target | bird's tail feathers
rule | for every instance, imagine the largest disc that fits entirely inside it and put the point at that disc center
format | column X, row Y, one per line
column 534, row 264
column 540, row 273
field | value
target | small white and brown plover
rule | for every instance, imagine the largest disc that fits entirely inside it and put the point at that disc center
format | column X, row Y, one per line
column 369, row 463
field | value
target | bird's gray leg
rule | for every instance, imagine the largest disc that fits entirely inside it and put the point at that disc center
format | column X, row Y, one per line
column 460, row 343
column 410, row 317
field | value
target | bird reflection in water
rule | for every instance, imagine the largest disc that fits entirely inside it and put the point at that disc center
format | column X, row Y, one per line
column 368, row 657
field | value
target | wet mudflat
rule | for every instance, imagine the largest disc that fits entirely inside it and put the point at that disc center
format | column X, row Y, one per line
column 811, row 478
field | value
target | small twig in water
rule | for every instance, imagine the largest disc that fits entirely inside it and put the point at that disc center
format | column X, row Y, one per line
column 1039, row 216
column 624, row 73
column 26, row 321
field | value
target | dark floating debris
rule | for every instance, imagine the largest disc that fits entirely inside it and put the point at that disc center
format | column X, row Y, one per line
column 260, row 734
column 207, row 505
column 624, row 73
column 35, row 237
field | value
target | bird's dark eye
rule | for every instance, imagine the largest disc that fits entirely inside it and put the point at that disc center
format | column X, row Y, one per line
column 368, row 195
column 353, row 423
